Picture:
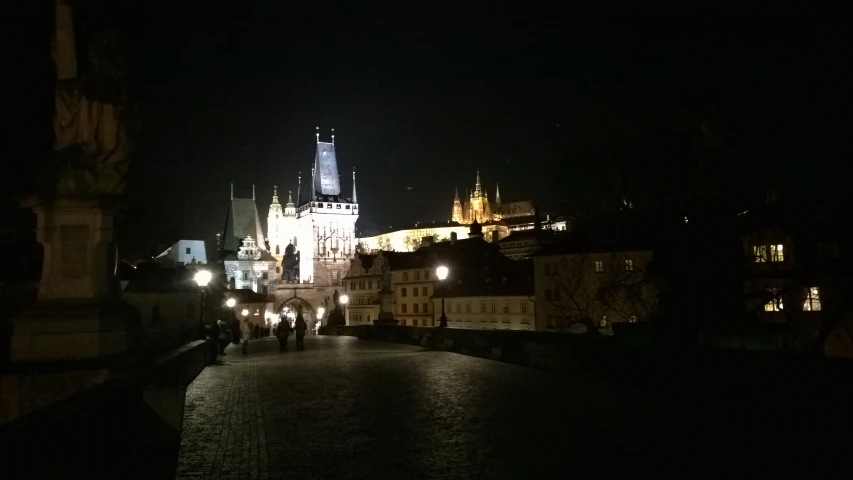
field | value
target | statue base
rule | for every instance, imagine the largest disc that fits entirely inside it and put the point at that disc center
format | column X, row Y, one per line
column 78, row 314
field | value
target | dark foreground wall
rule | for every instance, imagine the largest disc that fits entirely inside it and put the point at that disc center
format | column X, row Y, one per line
column 551, row 351
column 126, row 427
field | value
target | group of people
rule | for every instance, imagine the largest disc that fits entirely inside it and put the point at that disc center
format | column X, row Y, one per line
column 282, row 331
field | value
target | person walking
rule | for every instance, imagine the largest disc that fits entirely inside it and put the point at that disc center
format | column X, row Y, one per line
column 301, row 327
column 223, row 336
column 246, row 328
column 283, row 332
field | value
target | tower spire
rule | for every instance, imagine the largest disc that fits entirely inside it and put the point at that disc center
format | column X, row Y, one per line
column 275, row 194
column 455, row 194
column 478, row 187
column 299, row 188
column 289, row 197
column 497, row 193
column 354, row 198
column 318, row 134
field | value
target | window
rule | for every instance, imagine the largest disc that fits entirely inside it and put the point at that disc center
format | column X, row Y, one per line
column 188, row 250
column 277, row 269
column 523, row 307
column 775, row 304
column 328, row 205
column 603, row 322
column 426, row 274
column 336, row 277
column 403, row 292
column 368, row 318
column 426, row 308
column 415, row 292
column 482, row 306
column 352, row 285
column 599, row 266
column 812, row 303
column 403, row 308
column 405, row 276
column 370, row 284
column 245, row 275
column 265, row 275
column 458, row 308
column 264, row 290
column 632, row 319
column 417, row 275
column 629, row 265
column 506, row 306
column 424, row 291
column 467, row 307
column 548, row 295
column 494, row 309
column 415, row 308
column 760, row 253
column 277, row 250
column 776, row 253
column 191, row 309
column 338, row 206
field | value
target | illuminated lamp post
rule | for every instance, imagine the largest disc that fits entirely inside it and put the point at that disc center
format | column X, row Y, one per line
column 441, row 273
column 202, row 278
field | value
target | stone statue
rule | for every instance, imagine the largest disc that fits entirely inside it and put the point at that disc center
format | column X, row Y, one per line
column 92, row 113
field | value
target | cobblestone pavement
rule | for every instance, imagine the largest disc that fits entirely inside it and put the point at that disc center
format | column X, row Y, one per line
column 349, row 408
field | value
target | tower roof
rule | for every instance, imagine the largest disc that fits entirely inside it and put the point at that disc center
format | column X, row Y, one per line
column 289, row 199
column 326, row 179
column 242, row 221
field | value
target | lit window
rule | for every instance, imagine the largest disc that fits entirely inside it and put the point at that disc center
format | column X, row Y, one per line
column 812, row 303
column 506, row 307
column 632, row 319
column 599, row 266
column 760, row 253
column 776, row 253
column 629, row 265
column 775, row 304
column 603, row 322
column 523, row 307
column 494, row 307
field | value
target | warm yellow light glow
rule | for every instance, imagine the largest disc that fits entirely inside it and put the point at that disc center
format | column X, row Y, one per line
column 776, row 253
column 230, row 303
column 441, row 272
column 774, row 305
column 320, row 311
column 344, row 299
column 812, row 303
column 202, row 278
column 245, row 312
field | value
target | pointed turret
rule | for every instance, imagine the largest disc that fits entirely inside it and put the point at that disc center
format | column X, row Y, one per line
column 275, row 195
column 455, row 194
column 290, row 208
column 456, row 212
column 354, row 197
column 478, row 187
column 498, row 194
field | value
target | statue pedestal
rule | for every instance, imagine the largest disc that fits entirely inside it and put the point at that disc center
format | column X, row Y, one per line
column 78, row 314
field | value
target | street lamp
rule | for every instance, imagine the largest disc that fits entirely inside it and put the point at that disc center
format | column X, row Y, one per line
column 202, row 278
column 320, row 312
column 441, row 273
column 230, row 303
column 344, row 299
column 245, row 312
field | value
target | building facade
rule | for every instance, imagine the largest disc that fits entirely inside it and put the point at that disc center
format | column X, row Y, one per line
column 247, row 262
column 488, row 312
column 364, row 287
column 183, row 252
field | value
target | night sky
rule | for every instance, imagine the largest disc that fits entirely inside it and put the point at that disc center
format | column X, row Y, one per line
column 233, row 95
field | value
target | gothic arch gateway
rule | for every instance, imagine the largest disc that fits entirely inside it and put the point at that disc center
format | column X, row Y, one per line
column 308, row 312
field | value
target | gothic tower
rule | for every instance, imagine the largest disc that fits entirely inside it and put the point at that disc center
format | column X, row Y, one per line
column 325, row 224
column 274, row 227
column 456, row 213
column 479, row 202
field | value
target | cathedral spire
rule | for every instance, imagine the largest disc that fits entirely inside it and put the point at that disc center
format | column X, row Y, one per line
column 498, row 194
column 478, row 187
column 289, row 197
column 456, row 194
column 275, row 195
column 354, row 198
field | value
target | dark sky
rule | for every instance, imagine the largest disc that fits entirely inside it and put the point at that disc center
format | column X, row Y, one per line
column 233, row 95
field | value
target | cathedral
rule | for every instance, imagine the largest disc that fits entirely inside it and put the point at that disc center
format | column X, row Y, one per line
column 478, row 208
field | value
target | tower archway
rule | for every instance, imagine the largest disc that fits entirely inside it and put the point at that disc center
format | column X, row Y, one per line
column 308, row 311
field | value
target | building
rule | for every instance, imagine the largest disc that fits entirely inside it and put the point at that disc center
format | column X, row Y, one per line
column 593, row 278
column 247, row 262
column 364, row 287
column 496, row 219
column 500, row 300
column 249, row 305
column 281, row 229
column 522, row 244
column 183, row 252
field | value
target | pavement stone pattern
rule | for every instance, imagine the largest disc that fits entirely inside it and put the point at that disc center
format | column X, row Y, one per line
column 350, row 408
